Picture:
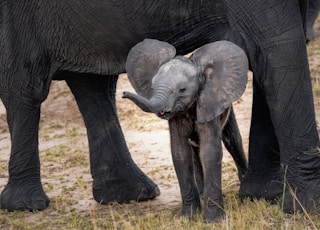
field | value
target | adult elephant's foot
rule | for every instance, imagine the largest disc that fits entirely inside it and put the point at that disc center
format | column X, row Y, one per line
column 24, row 196
column 302, row 187
column 302, row 199
column 268, row 185
column 129, row 184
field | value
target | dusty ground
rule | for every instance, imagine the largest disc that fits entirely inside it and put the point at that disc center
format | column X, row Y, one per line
column 64, row 149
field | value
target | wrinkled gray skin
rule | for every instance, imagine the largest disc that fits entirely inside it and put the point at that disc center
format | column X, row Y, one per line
column 86, row 43
column 196, row 96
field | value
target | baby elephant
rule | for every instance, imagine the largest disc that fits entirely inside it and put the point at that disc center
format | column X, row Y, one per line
column 195, row 94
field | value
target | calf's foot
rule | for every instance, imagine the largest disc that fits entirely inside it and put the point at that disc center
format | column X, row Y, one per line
column 213, row 213
column 189, row 210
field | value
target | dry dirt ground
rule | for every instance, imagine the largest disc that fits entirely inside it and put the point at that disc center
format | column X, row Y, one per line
column 64, row 149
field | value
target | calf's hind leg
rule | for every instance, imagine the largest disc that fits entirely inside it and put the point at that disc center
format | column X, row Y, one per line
column 232, row 140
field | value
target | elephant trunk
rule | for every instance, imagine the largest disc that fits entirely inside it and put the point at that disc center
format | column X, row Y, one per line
column 149, row 106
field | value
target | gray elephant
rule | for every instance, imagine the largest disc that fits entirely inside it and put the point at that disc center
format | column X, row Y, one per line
column 86, row 43
column 195, row 94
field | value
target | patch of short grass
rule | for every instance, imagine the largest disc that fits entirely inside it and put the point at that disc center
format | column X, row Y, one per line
column 4, row 127
column 239, row 215
column 3, row 168
column 316, row 88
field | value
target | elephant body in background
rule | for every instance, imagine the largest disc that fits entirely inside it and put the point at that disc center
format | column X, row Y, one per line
column 86, row 43
column 195, row 94
column 312, row 14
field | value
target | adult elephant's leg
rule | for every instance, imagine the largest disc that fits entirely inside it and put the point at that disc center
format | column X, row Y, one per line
column 280, row 61
column 264, row 176
column 24, row 190
column 289, row 94
column 116, row 178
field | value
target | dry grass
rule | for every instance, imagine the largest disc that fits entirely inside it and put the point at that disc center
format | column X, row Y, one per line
column 240, row 215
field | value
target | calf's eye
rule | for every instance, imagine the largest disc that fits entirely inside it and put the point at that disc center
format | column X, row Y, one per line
column 182, row 90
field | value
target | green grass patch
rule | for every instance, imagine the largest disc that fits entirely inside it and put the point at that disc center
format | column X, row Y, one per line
column 316, row 88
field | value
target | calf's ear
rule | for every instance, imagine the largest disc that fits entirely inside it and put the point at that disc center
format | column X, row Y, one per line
column 225, row 69
column 143, row 62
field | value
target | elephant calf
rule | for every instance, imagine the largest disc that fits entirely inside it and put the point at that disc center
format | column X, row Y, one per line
column 195, row 94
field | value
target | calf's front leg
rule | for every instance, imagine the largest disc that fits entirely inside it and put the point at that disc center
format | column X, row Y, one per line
column 180, row 130
column 210, row 134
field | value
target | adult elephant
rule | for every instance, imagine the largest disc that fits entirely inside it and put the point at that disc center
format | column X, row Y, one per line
column 86, row 44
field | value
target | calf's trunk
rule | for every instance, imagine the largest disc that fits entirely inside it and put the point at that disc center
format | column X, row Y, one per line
column 149, row 106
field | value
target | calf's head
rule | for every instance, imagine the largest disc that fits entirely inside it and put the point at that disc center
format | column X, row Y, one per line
column 213, row 77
